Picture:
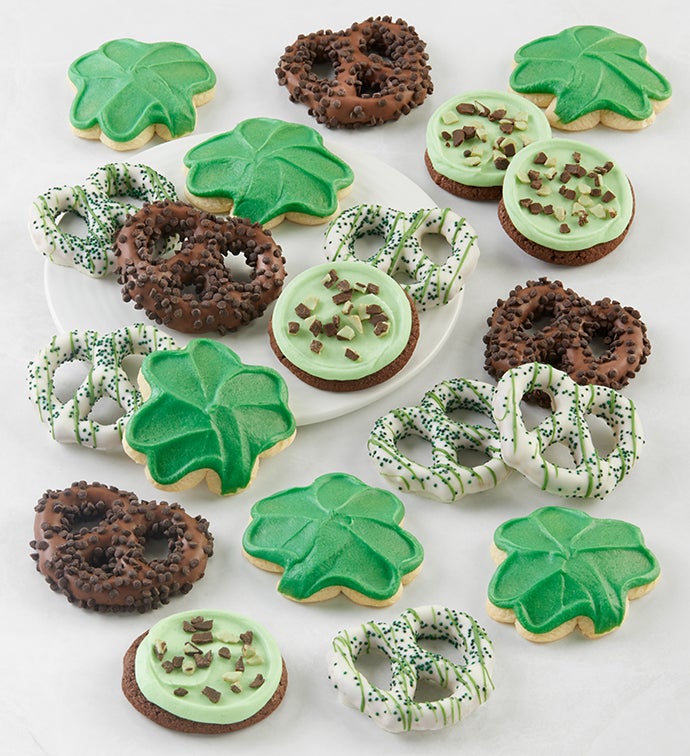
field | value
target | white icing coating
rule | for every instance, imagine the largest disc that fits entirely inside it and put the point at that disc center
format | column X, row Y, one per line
column 402, row 255
column 70, row 421
column 593, row 475
column 468, row 683
column 445, row 479
column 101, row 201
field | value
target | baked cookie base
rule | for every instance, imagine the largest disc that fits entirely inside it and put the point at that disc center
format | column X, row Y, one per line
column 481, row 193
column 559, row 257
column 164, row 718
column 373, row 379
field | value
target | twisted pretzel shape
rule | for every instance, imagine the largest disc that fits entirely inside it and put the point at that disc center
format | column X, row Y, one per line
column 103, row 567
column 468, row 683
column 380, row 72
column 445, row 479
column 101, row 202
column 594, row 475
column 70, row 421
column 401, row 253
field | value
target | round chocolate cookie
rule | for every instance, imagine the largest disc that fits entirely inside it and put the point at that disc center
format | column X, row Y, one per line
column 472, row 138
column 380, row 72
column 344, row 326
column 566, row 202
column 208, row 673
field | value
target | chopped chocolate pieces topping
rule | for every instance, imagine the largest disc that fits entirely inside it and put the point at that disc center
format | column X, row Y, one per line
column 247, row 637
column 180, row 692
column 203, row 637
column 608, row 196
column 188, row 627
column 202, row 624
column 257, row 682
column 540, row 158
column 302, row 311
column 177, row 662
column 224, row 652
column 465, row 108
column 212, row 694
column 203, row 660
column 293, row 327
column 343, row 296
column 239, row 666
column 564, row 228
column 168, row 666
column 190, row 649
column 235, row 688
column 351, row 354
column 316, row 346
column 316, row 327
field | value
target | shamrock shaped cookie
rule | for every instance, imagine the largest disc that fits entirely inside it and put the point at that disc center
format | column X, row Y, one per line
column 587, row 75
column 207, row 416
column 127, row 91
column 560, row 568
column 336, row 535
column 267, row 170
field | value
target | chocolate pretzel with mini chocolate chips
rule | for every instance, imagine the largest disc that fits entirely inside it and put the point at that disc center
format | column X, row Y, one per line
column 564, row 337
column 103, row 566
column 380, row 72
column 171, row 262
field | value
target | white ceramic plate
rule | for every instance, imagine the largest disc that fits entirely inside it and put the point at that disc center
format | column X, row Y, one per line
column 78, row 302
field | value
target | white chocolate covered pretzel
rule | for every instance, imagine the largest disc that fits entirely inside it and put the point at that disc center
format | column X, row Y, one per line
column 594, row 475
column 468, row 683
column 70, row 421
column 445, row 479
column 401, row 255
column 101, row 201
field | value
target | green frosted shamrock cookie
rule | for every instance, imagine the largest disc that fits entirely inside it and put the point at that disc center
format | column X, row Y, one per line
column 587, row 75
column 560, row 568
column 127, row 91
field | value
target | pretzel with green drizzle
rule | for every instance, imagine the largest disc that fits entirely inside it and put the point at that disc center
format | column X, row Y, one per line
column 467, row 684
column 102, row 201
column 71, row 421
column 445, row 479
column 401, row 252
column 594, row 475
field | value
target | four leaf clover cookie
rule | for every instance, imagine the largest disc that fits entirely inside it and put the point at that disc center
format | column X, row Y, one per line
column 587, row 75
column 560, row 568
column 127, row 91
column 207, row 416
column 267, row 170
column 336, row 535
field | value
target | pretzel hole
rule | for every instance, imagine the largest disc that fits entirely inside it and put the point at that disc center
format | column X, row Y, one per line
column 322, row 68
column 131, row 365
column 375, row 46
column 367, row 85
column 471, row 457
column 533, row 414
column 466, row 416
column 603, row 436
column 74, row 224
column 559, row 455
column 541, row 320
column 416, row 448
column 367, row 246
column 599, row 343
column 375, row 666
column 156, row 549
column 105, row 411
column 436, row 248
column 68, row 377
column 429, row 690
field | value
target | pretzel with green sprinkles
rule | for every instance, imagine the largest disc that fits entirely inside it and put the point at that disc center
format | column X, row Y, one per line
column 71, row 421
column 102, row 201
column 467, row 684
column 401, row 253
column 445, row 479
column 593, row 474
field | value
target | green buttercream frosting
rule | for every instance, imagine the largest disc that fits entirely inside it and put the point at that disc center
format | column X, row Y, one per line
column 471, row 138
column 562, row 563
column 268, row 167
column 125, row 86
column 208, row 410
column 590, row 68
column 159, row 674
column 336, row 532
column 567, row 195
column 331, row 362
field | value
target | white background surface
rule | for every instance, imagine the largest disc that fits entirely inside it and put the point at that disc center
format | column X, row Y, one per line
column 61, row 667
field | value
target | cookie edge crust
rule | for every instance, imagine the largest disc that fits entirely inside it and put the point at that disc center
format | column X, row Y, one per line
column 155, row 713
